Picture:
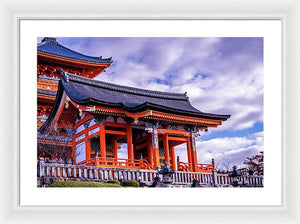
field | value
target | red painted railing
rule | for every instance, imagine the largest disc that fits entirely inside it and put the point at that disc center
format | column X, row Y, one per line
column 206, row 168
column 117, row 163
column 181, row 166
column 188, row 167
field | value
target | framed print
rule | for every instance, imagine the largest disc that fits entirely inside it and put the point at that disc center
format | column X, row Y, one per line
column 146, row 137
column 151, row 116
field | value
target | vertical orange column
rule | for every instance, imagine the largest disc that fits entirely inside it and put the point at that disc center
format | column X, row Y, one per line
column 114, row 147
column 156, row 157
column 194, row 153
column 150, row 153
column 188, row 148
column 102, row 140
column 87, row 145
column 88, row 149
column 74, row 149
column 173, row 157
column 129, row 142
column 166, row 148
column 195, row 161
column 135, row 156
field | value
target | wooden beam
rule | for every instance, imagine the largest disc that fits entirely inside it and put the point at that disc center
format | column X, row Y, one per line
column 175, row 132
column 87, row 118
column 80, row 133
column 144, row 145
column 120, row 137
column 145, row 138
column 113, row 132
column 118, row 125
column 180, row 139
column 93, row 127
column 175, row 143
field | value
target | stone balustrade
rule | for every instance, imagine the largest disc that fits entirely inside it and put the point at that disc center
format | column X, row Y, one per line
column 68, row 171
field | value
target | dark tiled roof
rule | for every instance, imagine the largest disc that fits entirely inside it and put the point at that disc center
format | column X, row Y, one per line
column 46, row 92
column 86, row 91
column 49, row 45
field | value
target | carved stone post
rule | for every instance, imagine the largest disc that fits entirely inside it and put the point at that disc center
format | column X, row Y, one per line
column 40, row 169
column 74, row 173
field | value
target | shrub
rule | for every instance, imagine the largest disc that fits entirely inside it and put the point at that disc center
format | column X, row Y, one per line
column 114, row 182
column 131, row 183
column 81, row 184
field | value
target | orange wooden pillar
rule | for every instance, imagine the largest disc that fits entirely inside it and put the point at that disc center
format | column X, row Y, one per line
column 173, row 157
column 114, row 147
column 195, row 161
column 156, row 157
column 150, row 153
column 102, row 140
column 189, row 151
column 194, row 153
column 87, row 144
column 129, row 142
column 166, row 148
column 74, row 149
column 135, row 156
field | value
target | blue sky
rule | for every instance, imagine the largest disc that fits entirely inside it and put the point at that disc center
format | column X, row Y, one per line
column 220, row 75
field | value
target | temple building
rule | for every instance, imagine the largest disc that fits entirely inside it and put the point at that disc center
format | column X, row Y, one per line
column 51, row 58
column 101, row 116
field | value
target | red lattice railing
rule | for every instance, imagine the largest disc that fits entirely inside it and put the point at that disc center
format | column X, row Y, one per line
column 188, row 167
column 117, row 163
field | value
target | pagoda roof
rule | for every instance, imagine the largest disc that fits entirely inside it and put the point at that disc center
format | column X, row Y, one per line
column 49, row 45
column 85, row 91
column 89, row 92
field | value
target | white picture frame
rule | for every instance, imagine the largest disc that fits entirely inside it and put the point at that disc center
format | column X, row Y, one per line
column 12, row 12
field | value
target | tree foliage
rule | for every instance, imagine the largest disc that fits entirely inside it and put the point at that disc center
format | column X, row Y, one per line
column 59, row 147
column 256, row 163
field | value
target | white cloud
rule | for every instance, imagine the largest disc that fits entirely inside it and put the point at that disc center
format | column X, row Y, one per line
column 226, row 151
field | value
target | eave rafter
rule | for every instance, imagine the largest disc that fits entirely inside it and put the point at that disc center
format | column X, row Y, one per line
column 72, row 60
column 148, row 114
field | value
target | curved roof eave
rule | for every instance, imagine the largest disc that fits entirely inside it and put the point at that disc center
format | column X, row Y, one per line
column 50, row 46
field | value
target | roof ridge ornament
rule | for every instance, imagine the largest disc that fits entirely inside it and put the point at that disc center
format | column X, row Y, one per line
column 50, row 40
column 64, row 75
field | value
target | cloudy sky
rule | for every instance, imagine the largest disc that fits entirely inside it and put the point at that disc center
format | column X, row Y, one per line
column 220, row 75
